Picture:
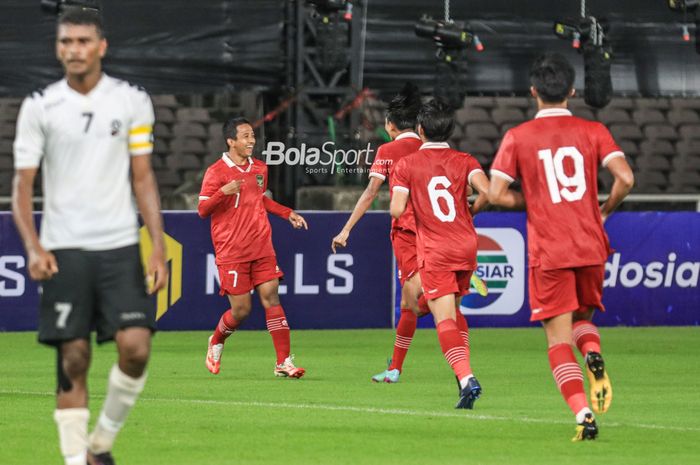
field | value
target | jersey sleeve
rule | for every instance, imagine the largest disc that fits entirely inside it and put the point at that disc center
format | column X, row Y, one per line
column 606, row 145
column 141, row 124
column 210, row 195
column 473, row 167
column 380, row 166
column 29, row 141
column 401, row 179
column 505, row 164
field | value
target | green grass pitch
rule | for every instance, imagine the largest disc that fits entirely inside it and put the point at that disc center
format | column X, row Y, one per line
column 335, row 415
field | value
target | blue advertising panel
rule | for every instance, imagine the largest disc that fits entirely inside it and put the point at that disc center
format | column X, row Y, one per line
column 350, row 289
column 650, row 279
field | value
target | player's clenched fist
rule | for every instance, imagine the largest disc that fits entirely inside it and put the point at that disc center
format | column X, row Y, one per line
column 233, row 187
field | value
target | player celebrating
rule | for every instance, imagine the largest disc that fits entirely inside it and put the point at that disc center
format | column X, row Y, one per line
column 556, row 156
column 400, row 124
column 233, row 195
column 435, row 180
column 92, row 134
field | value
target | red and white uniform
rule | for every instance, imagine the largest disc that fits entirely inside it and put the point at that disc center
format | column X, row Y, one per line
column 556, row 156
column 403, row 229
column 436, row 179
column 240, row 228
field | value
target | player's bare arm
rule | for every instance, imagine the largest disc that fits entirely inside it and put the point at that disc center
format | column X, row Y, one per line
column 399, row 200
column 42, row 264
column 148, row 201
column 481, row 184
column 500, row 194
column 622, row 185
column 361, row 207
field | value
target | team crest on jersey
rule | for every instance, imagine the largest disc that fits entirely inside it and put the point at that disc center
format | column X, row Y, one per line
column 115, row 126
column 259, row 178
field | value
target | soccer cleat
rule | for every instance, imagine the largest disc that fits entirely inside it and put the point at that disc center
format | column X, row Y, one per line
column 480, row 286
column 287, row 369
column 387, row 376
column 214, row 357
column 599, row 383
column 469, row 394
column 587, row 430
column 104, row 458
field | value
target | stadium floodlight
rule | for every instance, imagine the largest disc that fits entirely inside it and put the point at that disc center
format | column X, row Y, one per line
column 57, row 6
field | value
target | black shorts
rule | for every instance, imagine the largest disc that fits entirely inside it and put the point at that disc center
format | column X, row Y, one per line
column 103, row 290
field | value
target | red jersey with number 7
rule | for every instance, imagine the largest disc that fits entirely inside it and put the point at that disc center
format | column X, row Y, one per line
column 556, row 157
column 436, row 179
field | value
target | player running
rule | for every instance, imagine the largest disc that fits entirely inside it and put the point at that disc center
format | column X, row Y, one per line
column 233, row 195
column 556, row 157
column 434, row 181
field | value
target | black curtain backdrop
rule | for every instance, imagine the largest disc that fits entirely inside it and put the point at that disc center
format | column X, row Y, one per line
column 186, row 46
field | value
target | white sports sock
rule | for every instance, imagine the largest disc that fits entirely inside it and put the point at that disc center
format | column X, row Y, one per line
column 464, row 381
column 72, row 434
column 580, row 416
column 122, row 392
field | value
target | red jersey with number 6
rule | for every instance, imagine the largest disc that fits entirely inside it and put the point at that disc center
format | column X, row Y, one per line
column 436, row 179
column 556, row 157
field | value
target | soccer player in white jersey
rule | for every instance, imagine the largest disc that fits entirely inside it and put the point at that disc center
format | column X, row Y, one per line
column 92, row 136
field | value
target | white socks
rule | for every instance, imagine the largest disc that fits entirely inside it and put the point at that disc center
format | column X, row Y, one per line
column 464, row 381
column 580, row 416
column 72, row 434
column 122, row 392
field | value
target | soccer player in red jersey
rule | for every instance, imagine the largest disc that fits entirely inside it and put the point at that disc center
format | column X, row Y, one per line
column 233, row 195
column 435, row 180
column 400, row 124
column 556, row 157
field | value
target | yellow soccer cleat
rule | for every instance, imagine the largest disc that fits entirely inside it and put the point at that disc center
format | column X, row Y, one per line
column 480, row 286
column 599, row 382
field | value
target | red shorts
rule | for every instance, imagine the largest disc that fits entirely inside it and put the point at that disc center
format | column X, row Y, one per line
column 554, row 292
column 439, row 283
column 404, row 243
column 241, row 278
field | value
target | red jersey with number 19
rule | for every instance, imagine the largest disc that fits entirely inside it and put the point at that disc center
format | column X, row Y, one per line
column 436, row 179
column 388, row 155
column 556, row 156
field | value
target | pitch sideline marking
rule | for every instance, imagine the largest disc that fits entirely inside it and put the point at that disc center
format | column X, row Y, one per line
column 384, row 411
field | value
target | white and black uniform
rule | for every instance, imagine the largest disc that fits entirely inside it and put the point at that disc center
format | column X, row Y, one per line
column 84, row 145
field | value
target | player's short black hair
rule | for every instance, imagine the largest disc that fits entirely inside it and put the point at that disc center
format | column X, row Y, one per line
column 231, row 127
column 437, row 120
column 403, row 109
column 553, row 77
column 82, row 17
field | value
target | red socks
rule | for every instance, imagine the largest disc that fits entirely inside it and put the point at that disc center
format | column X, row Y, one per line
column 568, row 376
column 404, row 335
column 279, row 330
column 463, row 328
column 227, row 325
column 586, row 337
column 453, row 347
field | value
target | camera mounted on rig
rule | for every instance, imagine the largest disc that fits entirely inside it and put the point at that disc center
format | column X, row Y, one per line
column 58, row 6
column 450, row 38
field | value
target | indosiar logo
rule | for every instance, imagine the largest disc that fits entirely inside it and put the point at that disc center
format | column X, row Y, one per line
column 173, row 249
column 672, row 273
column 501, row 265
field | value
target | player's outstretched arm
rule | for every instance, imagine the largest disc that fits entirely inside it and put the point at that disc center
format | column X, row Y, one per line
column 622, row 185
column 276, row 208
column 148, row 201
column 42, row 264
column 499, row 194
column 361, row 207
column 481, row 185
